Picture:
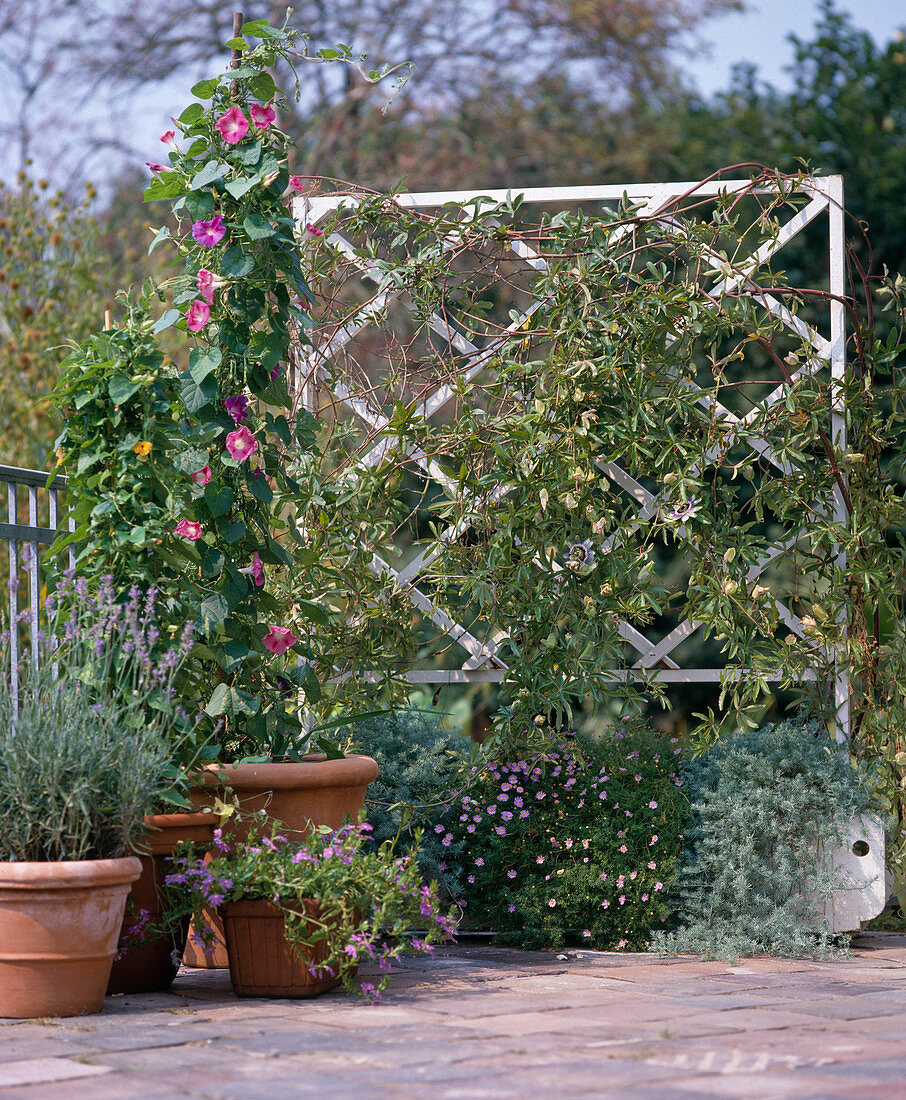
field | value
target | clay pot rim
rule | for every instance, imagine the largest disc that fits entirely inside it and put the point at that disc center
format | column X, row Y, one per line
column 354, row 770
column 68, row 874
column 176, row 820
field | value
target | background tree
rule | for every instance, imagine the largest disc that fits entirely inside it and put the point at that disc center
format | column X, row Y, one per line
column 52, row 288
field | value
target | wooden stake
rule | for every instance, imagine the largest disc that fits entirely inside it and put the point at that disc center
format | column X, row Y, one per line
column 236, row 55
column 108, row 323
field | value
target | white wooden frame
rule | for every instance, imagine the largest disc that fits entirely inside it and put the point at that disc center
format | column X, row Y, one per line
column 824, row 195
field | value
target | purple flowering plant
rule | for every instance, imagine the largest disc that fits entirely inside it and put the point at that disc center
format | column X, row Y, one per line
column 574, row 845
column 93, row 737
column 369, row 901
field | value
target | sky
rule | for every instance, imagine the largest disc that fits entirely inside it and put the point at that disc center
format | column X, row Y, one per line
column 760, row 36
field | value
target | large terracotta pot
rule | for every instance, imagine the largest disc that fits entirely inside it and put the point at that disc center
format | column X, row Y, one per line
column 149, row 966
column 262, row 961
column 59, row 924
column 315, row 791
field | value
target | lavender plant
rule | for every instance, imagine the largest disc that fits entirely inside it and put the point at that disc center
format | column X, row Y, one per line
column 86, row 745
column 368, row 901
column 577, row 845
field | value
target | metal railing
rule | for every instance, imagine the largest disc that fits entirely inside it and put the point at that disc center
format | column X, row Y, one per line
column 33, row 520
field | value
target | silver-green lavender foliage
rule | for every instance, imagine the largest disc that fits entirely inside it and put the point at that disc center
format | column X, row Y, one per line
column 84, row 753
column 413, row 752
column 768, row 806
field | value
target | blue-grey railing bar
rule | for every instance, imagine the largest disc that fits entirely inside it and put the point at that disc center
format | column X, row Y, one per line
column 32, row 536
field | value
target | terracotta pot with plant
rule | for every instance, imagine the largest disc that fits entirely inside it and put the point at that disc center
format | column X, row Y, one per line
column 82, row 761
column 301, row 916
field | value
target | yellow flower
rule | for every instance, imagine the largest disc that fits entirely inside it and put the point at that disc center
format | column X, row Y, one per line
column 142, row 448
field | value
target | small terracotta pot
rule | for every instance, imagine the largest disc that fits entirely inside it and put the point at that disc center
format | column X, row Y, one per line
column 149, row 967
column 315, row 791
column 263, row 963
column 59, row 925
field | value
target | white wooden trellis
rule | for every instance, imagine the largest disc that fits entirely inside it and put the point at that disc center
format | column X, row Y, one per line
column 824, row 196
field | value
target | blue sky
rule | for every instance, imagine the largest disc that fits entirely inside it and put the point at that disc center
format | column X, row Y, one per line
column 760, row 36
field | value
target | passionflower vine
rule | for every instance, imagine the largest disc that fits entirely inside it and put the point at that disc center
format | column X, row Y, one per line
column 188, row 529
column 232, row 125
column 197, row 315
column 202, row 476
column 210, row 232
column 278, row 639
column 237, row 407
column 679, row 513
column 241, row 444
column 262, row 117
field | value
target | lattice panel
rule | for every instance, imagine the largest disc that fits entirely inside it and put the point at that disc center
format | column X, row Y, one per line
column 326, row 368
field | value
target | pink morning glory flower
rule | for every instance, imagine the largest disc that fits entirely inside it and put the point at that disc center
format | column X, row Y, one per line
column 197, row 315
column 188, row 529
column 295, row 183
column 168, row 137
column 278, row 639
column 202, row 476
column 207, row 282
column 241, row 444
column 262, row 116
column 255, row 570
column 237, row 407
column 232, row 126
column 210, row 232
column 312, row 232
column 155, row 166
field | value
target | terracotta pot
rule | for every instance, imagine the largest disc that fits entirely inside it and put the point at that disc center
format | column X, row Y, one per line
column 59, row 924
column 263, row 963
column 315, row 791
column 149, row 966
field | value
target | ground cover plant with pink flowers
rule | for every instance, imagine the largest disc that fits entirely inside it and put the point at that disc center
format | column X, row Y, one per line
column 577, row 845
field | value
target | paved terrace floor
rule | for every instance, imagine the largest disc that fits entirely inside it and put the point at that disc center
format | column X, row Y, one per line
column 480, row 1022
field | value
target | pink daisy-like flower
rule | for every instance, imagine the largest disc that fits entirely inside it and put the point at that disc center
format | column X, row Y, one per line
column 197, row 315
column 188, row 529
column 210, row 232
column 586, row 934
column 511, row 908
column 202, row 476
column 262, row 117
column 551, row 902
column 605, row 904
column 232, row 126
column 241, row 443
column 278, row 639
column 652, row 805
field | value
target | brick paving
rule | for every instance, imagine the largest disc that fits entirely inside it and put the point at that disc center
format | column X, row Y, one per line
column 480, row 1022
